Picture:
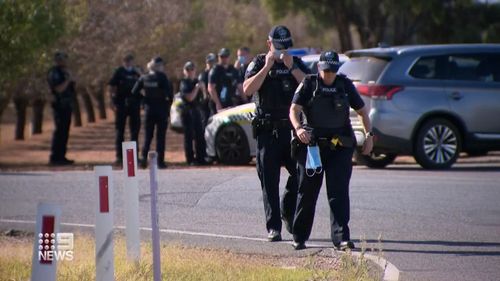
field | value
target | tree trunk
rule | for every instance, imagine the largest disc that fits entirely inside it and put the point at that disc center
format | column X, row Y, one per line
column 4, row 101
column 87, row 102
column 21, row 104
column 343, row 26
column 37, row 118
column 101, row 104
column 77, row 114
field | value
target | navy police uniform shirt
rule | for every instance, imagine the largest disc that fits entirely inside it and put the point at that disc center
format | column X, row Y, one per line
column 276, row 93
column 226, row 81
column 186, row 87
column 55, row 77
column 124, row 81
column 304, row 94
column 157, row 88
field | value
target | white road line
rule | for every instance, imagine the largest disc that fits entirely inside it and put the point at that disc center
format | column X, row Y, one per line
column 391, row 272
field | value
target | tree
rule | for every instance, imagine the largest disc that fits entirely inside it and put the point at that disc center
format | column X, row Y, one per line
column 28, row 27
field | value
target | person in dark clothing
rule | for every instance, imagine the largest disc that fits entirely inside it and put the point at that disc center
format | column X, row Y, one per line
column 158, row 97
column 124, row 104
column 62, row 87
column 223, row 82
column 241, row 64
column 275, row 76
column 326, row 147
column 207, row 102
column 192, row 120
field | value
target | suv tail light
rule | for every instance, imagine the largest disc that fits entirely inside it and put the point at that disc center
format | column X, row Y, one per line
column 383, row 92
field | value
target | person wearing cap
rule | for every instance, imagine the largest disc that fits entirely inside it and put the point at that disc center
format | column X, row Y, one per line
column 207, row 103
column 223, row 82
column 62, row 86
column 157, row 100
column 124, row 104
column 325, row 100
column 275, row 76
column 192, row 119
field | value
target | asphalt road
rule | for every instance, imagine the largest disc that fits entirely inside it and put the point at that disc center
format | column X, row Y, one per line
column 431, row 225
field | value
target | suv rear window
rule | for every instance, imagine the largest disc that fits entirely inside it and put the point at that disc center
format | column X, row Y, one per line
column 429, row 68
column 364, row 69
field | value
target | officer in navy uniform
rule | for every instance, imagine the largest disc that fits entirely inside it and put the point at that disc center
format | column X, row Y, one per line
column 124, row 104
column 158, row 99
column 275, row 77
column 223, row 83
column 192, row 119
column 207, row 103
column 325, row 100
column 62, row 87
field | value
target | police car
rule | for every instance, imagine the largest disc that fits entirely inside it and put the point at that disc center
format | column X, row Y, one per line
column 229, row 133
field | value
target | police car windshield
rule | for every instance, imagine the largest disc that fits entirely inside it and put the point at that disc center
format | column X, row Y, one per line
column 364, row 69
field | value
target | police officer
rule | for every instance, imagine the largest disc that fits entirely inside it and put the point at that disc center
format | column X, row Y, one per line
column 124, row 104
column 223, row 82
column 62, row 87
column 158, row 98
column 192, row 119
column 241, row 64
column 207, row 103
column 275, row 77
column 325, row 100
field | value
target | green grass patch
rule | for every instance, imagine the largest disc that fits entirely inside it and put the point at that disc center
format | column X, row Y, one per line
column 182, row 263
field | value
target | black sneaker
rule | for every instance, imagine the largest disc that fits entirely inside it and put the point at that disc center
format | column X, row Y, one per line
column 118, row 162
column 299, row 245
column 274, row 236
column 143, row 163
column 344, row 245
column 62, row 162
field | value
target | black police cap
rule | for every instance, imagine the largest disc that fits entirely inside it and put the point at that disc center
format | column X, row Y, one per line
column 224, row 52
column 281, row 37
column 329, row 60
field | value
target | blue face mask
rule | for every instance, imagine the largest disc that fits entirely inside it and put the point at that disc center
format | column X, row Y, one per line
column 241, row 59
column 313, row 161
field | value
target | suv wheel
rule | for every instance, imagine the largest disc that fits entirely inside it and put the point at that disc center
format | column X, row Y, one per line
column 374, row 160
column 437, row 145
column 231, row 145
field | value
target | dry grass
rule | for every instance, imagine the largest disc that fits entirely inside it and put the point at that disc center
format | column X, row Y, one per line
column 181, row 263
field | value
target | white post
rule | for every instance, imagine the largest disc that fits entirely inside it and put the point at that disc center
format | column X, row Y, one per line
column 131, row 193
column 44, row 262
column 104, row 258
column 153, row 177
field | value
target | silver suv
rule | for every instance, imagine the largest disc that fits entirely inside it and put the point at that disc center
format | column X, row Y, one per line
column 429, row 101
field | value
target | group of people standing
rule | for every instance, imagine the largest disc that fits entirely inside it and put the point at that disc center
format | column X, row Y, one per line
column 216, row 88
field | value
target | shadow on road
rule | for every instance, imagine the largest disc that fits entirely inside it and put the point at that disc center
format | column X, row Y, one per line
column 392, row 243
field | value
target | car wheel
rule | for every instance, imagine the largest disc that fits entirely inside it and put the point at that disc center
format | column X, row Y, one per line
column 374, row 160
column 437, row 145
column 231, row 145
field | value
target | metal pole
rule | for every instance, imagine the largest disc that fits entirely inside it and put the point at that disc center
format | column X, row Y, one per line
column 153, row 177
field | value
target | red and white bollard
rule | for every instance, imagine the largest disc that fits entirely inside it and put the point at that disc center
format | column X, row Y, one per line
column 44, row 264
column 104, row 258
column 131, row 194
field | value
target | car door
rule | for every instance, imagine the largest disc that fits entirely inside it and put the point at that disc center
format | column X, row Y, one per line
column 473, row 91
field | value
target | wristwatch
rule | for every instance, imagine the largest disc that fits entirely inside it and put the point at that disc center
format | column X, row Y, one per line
column 370, row 134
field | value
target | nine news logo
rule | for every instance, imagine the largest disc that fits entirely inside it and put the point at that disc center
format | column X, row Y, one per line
column 55, row 246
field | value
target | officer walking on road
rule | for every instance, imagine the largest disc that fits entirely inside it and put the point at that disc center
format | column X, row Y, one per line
column 124, row 104
column 192, row 120
column 275, row 77
column 223, row 82
column 62, row 87
column 158, row 98
column 326, row 146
